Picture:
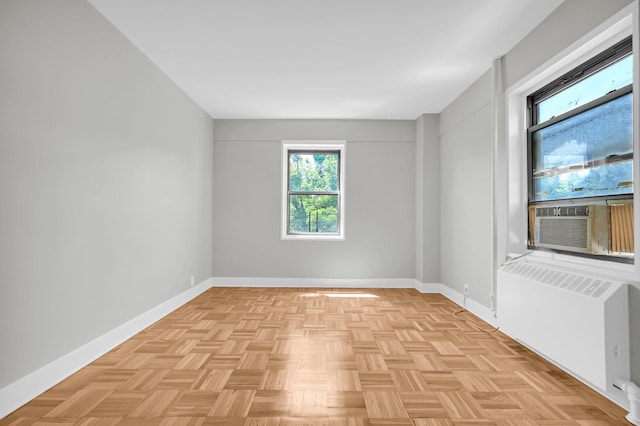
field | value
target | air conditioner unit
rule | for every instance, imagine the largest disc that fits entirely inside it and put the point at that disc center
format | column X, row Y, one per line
column 581, row 229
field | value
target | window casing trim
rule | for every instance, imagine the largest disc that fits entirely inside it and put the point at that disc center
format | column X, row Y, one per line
column 313, row 146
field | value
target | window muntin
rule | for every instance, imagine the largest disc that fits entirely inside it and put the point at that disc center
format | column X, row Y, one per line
column 313, row 197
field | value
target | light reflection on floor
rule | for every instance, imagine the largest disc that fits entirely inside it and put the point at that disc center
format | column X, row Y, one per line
column 343, row 294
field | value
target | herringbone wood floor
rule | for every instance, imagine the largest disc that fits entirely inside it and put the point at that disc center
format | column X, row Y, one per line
column 249, row 356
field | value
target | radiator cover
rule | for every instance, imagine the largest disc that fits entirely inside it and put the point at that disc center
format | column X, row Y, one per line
column 577, row 321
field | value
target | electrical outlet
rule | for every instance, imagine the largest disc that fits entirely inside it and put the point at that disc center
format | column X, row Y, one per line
column 193, row 281
column 465, row 296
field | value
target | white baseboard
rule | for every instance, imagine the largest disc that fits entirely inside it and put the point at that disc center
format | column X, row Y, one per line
column 25, row 389
column 315, row 282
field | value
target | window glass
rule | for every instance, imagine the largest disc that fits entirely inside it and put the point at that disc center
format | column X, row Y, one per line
column 584, row 155
column 313, row 197
column 313, row 171
column 613, row 77
column 313, row 213
column 612, row 179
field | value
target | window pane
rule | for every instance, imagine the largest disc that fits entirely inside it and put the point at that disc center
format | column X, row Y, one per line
column 615, row 76
column 595, row 134
column 313, row 213
column 607, row 179
column 313, row 171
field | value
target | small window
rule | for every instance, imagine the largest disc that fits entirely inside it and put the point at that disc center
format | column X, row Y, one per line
column 313, row 190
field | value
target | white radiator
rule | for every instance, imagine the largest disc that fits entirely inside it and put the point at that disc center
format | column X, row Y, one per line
column 579, row 322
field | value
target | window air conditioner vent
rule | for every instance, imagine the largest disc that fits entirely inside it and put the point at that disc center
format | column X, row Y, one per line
column 569, row 232
column 563, row 211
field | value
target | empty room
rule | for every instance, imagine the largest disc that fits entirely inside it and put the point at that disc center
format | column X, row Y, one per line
column 319, row 212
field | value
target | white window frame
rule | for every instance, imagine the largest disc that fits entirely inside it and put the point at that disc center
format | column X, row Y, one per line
column 515, row 196
column 313, row 145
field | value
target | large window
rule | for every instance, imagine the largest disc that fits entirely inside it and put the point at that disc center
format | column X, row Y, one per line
column 580, row 154
column 580, row 135
column 313, row 193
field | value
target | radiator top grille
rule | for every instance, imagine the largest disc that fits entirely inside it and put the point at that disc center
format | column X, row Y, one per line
column 570, row 281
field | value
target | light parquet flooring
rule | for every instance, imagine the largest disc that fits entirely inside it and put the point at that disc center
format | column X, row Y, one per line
column 280, row 357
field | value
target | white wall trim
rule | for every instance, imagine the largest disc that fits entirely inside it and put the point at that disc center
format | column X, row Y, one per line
column 25, row 389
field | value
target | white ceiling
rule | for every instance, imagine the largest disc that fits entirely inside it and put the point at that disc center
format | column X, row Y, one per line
column 391, row 59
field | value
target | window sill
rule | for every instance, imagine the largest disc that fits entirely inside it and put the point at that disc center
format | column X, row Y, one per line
column 313, row 238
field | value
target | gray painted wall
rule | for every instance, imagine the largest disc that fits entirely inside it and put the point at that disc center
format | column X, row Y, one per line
column 466, row 151
column 465, row 193
column 105, row 183
column 379, row 201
